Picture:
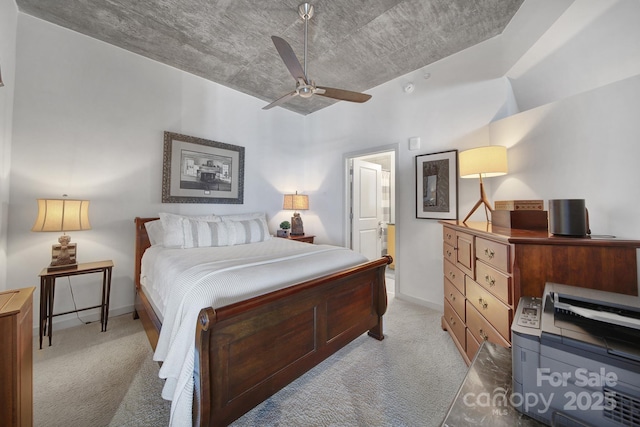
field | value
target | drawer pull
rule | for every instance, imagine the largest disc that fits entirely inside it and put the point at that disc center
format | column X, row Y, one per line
column 453, row 322
column 452, row 274
column 484, row 336
column 490, row 280
column 489, row 253
column 484, row 304
column 449, row 254
column 449, row 236
column 452, row 296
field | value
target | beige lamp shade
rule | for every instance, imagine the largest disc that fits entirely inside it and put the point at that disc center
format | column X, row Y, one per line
column 62, row 215
column 296, row 202
column 488, row 161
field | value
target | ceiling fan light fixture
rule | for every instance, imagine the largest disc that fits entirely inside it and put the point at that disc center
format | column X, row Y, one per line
column 305, row 92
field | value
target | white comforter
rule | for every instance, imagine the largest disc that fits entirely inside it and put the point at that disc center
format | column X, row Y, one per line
column 183, row 281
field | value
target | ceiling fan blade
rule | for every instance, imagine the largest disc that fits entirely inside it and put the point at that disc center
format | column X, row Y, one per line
column 280, row 100
column 289, row 58
column 343, row 95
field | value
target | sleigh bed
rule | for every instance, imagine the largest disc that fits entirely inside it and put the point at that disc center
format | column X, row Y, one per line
column 248, row 350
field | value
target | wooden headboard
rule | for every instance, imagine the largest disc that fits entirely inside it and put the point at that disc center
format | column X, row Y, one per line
column 142, row 243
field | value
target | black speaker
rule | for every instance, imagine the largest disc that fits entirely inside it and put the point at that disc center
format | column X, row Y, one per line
column 568, row 217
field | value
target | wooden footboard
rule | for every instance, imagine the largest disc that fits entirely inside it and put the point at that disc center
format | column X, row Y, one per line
column 247, row 351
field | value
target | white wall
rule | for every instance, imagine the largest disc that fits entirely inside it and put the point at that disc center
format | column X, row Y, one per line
column 89, row 121
column 8, row 24
column 581, row 145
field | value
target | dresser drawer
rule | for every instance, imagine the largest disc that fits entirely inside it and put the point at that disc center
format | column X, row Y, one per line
column 493, row 253
column 496, row 282
column 472, row 345
column 465, row 256
column 454, row 323
column 454, row 275
column 455, row 298
column 498, row 314
column 481, row 329
column 448, row 252
column 449, row 236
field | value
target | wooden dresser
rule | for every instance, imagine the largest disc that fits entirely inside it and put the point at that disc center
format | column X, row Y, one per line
column 487, row 269
column 16, row 357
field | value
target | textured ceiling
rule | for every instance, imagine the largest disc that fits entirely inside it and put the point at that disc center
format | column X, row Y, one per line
column 353, row 44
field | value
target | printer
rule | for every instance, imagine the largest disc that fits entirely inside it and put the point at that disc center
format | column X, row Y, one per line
column 576, row 357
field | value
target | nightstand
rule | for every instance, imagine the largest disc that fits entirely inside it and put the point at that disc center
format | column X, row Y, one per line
column 306, row 238
column 48, row 289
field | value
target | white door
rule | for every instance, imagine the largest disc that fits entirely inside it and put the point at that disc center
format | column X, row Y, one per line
column 367, row 209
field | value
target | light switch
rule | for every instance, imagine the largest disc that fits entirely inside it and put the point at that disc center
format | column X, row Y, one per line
column 414, row 143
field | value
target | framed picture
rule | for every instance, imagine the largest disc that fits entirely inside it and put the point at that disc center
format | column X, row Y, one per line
column 197, row 170
column 437, row 185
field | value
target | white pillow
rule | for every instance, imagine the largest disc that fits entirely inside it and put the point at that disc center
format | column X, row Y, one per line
column 199, row 233
column 248, row 231
column 172, row 225
column 155, row 232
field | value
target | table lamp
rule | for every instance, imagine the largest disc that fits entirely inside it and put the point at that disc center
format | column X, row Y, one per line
column 483, row 162
column 62, row 215
column 296, row 202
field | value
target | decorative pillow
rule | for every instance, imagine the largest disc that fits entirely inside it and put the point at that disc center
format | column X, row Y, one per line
column 172, row 225
column 248, row 231
column 155, row 231
column 198, row 233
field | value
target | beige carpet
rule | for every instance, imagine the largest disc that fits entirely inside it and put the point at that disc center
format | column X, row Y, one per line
column 92, row 378
column 88, row 378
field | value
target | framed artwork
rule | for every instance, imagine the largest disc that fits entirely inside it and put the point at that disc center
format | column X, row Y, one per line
column 437, row 185
column 197, row 170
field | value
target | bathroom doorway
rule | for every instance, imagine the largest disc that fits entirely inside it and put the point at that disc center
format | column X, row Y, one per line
column 370, row 208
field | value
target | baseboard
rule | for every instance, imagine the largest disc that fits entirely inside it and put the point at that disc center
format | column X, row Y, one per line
column 89, row 316
column 433, row 306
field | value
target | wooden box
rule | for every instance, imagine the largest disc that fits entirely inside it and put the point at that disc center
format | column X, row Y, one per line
column 523, row 219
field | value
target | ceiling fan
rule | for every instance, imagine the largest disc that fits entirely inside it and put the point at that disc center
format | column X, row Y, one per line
column 306, row 88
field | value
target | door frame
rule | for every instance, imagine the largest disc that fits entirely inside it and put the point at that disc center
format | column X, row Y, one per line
column 370, row 152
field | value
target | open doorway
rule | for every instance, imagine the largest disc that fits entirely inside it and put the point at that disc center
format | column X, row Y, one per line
column 370, row 215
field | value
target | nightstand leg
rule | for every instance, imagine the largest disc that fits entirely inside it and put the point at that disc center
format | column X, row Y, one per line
column 52, row 292
column 43, row 305
column 107, row 294
column 104, row 288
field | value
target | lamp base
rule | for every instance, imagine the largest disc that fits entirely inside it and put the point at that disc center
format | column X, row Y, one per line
column 63, row 256
column 296, row 225
column 52, row 267
column 483, row 201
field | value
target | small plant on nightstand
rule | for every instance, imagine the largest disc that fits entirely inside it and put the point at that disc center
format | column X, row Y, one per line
column 285, row 226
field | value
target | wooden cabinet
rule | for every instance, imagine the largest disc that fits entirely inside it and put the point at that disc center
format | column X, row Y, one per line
column 487, row 269
column 16, row 357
